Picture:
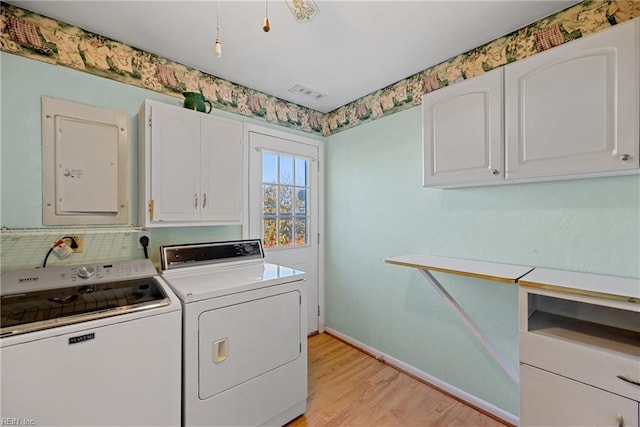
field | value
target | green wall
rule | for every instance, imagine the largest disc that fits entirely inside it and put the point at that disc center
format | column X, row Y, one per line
column 377, row 208
column 23, row 83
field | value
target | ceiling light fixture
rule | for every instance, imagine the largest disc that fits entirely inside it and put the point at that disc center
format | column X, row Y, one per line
column 265, row 26
column 217, row 48
column 302, row 10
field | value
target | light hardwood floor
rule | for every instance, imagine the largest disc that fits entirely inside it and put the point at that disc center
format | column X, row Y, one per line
column 350, row 388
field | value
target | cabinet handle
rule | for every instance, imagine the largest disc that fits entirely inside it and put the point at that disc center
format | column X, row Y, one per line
column 495, row 171
column 620, row 420
column 628, row 380
column 625, row 157
column 196, row 199
column 204, row 200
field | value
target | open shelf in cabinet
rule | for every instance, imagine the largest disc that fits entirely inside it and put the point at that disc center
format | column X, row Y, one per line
column 586, row 333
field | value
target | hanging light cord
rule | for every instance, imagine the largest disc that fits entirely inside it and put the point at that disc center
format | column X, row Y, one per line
column 218, row 20
column 217, row 48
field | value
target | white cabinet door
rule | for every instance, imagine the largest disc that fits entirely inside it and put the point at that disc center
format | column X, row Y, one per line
column 190, row 167
column 462, row 132
column 175, row 164
column 547, row 399
column 221, row 170
column 574, row 109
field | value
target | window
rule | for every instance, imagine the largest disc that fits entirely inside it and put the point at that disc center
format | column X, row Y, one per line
column 285, row 191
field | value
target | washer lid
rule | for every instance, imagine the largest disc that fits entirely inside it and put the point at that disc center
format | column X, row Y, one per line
column 36, row 310
column 202, row 282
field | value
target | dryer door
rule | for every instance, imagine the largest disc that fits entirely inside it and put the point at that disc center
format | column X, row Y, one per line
column 243, row 341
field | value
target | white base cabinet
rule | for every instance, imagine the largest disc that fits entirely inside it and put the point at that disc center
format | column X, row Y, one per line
column 554, row 400
column 579, row 346
column 190, row 167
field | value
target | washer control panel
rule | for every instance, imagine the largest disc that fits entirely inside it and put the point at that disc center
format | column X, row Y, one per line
column 61, row 276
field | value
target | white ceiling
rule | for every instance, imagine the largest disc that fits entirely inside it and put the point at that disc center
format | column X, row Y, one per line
column 348, row 50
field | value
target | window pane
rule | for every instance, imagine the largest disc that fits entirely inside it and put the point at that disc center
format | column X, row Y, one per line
column 269, row 168
column 269, row 237
column 269, row 199
column 286, row 170
column 285, row 232
column 301, row 200
column 301, row 172
column 285, row 197
column 301, row 231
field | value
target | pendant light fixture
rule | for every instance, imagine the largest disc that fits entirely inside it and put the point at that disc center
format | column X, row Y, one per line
column 265, row 26
column 217, row 48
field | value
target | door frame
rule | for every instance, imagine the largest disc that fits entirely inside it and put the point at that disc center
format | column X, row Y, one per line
column 295, row 137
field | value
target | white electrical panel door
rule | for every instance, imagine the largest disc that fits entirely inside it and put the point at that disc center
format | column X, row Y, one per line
column 86, row 166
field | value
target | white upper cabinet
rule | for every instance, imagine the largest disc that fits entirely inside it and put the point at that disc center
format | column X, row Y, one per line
column 574, row 109
column 175, row 164
column 189, row 166
column 221, row 184
column 462, row 133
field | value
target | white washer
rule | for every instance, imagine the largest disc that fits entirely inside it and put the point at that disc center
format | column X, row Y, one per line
column 244, row 334
column 90, row 345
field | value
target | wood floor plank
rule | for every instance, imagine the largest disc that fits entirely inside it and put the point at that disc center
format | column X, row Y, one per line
column 350, row 388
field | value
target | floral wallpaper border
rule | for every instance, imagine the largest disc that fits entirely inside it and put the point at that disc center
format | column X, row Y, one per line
column 34, row 36
column 37, row 37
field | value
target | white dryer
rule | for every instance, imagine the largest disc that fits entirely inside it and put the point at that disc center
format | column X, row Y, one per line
column 244, row 334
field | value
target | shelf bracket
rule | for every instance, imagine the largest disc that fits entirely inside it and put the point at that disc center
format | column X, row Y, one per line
column 497, row 355
column 504, row 273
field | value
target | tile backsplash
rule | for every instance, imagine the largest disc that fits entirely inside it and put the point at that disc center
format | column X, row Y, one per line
column 27, row 248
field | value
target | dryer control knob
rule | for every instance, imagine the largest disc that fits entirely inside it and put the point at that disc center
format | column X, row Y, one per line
column 86, row 272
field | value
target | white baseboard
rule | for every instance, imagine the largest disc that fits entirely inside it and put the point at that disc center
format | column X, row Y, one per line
column 448, row 388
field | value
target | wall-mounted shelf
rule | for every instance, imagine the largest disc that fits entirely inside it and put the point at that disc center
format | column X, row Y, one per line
column 625, row 289
column 505, row 273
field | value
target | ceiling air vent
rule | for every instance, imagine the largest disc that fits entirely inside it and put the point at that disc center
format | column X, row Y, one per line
column 309, row 93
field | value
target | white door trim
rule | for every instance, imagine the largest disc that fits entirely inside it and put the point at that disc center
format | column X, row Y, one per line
column 320, row 144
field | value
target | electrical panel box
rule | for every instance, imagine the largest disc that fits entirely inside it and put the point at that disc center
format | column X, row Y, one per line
column 85, row 164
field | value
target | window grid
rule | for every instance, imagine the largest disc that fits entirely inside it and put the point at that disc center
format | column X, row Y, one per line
column 285, row 192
